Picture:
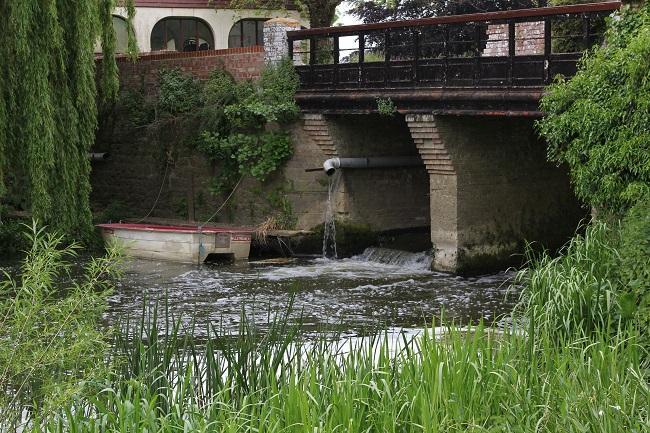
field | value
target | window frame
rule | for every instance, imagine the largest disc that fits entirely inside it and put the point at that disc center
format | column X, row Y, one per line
column 240, row 23
column 181, row 35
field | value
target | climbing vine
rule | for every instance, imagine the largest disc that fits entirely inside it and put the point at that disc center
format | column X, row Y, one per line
column 48, row 111
column 238, row 123
column 598, row 122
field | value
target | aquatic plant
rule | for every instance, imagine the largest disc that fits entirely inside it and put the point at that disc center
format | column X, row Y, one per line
column 477, row 380
column 574, row 293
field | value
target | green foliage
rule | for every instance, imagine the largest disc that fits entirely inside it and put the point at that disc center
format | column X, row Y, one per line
column 240, row 122
column 49, row 115
column 132, row 45
column 138, row 111
column 386, row 107
column 256, row 155
column 52, row 348
column 179, row 93
column 598, row 122
column 634, row 268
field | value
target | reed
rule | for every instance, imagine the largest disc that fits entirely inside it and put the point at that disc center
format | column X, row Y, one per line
column 478, row 380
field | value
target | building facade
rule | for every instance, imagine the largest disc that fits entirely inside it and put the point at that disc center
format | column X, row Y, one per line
column 194, row 25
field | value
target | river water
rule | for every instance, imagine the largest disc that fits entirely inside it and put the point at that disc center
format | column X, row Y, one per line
column 380, row 288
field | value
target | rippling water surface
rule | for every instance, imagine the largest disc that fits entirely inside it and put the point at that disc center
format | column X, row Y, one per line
column 377, row 288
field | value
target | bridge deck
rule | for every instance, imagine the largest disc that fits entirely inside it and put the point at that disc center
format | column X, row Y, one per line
column 518, row 50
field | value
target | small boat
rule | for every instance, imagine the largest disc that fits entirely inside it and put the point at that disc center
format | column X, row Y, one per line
column 179, row 243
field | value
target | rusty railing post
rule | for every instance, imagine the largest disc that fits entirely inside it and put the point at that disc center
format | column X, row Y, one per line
column 386, row 57
column 312, row 59
column 335, row 55
column 547, row 51
column 416, row 55
column 511, row 52
column 362, row 58
column 477, row 54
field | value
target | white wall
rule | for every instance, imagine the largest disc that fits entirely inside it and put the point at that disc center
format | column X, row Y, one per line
column 219, row 20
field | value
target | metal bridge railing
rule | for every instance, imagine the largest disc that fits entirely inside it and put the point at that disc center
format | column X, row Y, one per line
column 515, row 48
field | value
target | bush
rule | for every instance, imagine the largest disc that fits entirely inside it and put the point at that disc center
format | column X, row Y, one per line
column 598, row 122
column 52, row 349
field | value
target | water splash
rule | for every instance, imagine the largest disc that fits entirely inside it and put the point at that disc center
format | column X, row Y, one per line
column 403, row 259
column 329, row 224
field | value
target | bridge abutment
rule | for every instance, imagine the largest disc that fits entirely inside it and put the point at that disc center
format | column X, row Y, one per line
column 491, row 189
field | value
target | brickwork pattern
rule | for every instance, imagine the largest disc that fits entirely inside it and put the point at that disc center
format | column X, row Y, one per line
column 316, row 126
column 242, row 63
column 426, row 136
column 529, row 39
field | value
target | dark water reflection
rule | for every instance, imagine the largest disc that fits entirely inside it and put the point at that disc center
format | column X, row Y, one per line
column 349, row 295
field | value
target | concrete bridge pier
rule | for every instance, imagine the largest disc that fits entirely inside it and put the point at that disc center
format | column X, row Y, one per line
column 485, row 187
column 491, row 189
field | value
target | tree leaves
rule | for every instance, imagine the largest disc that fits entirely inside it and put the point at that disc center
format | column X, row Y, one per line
column 598, row 122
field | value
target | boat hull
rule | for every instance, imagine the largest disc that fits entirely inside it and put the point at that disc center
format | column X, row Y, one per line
column 183, row 244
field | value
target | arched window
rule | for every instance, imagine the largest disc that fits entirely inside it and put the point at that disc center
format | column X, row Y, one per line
column 121, row 26
column 181, row 34
column 246, row 33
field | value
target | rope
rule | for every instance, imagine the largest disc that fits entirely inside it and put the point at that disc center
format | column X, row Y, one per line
column 222, row 204
column 200, row 227
column 162, row 184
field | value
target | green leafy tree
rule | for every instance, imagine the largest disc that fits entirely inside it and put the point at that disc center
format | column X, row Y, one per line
column 48, row 105
column 598, row 122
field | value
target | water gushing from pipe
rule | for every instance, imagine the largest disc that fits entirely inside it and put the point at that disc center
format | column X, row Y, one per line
column 329, row 223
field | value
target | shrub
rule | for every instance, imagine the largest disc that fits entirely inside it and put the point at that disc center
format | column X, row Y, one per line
column 51, row 347
column 598, row 122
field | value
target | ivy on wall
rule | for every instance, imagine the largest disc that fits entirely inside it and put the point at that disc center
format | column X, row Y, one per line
column 241, row 129
column 598, row 122
column 236, row 125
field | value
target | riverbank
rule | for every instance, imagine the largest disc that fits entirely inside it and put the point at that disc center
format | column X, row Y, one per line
column 568, row 361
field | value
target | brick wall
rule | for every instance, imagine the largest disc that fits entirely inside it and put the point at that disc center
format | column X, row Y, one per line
column 529, row 39
column 242, row 63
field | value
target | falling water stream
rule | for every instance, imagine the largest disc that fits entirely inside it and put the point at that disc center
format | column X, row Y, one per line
column 329, row 223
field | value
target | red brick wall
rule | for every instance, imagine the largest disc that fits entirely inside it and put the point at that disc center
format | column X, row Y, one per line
column 242, row 63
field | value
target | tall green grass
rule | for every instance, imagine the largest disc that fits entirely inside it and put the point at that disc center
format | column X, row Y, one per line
column 574, row 293
column 480, row 380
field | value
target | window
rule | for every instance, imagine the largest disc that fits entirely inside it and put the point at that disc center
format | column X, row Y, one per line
column 181, row 34
column 120, row 26
column 245, row 33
